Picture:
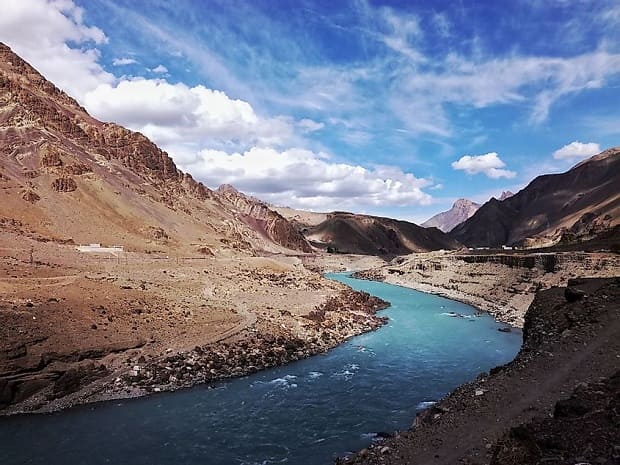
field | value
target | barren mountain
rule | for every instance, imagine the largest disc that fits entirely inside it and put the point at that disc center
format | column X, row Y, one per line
column 579, row 205
column 371, row 235
column 446, row 221
column 257, row 215
column 66, row 176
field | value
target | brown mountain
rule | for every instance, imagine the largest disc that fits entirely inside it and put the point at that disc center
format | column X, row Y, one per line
column 66, row 176
column 257, row 215
column 461, row 210
column 580, row 204
column 371, row 235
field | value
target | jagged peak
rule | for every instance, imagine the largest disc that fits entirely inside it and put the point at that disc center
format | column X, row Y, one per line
column 12, row 63
column 228, row 188
column 464, row 203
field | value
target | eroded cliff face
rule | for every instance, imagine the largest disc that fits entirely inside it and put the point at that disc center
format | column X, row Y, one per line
column 259, row 215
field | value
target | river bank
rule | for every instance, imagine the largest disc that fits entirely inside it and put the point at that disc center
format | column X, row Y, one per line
column 77, row 329
column 303, row 413
column 503, row 285
column 541, row 407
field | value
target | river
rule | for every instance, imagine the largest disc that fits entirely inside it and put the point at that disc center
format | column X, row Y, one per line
column 304, row 413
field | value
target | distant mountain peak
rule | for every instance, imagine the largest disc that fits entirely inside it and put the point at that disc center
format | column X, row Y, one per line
column 505, row 195
column 463, row 203
column 461, row 210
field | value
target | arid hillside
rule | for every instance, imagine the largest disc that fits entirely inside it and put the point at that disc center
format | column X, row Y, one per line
column 342, row 232
column 67, row 177
column 172, row 274
column 576, row 206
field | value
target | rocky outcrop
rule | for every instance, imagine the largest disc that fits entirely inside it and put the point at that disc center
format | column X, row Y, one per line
column 448, row 220
column 30, row 196
column 77, row 169
column 51, row 158
column 64, row 184
column 259, row 216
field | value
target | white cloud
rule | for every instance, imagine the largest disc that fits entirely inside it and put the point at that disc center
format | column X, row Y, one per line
column 39, row 31
column 490, row 164
column 577, row 150
column 123, row 61
column 305, row 179
column 160, row 69
column 175, row 113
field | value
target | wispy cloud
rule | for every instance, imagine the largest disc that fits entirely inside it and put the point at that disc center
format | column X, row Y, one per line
column 123, row 61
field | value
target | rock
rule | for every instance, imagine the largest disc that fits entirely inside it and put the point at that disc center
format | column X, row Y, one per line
column 74, row 378
column 15, row 352
column 30, row 196
column 64, row 184
column 505, row 329
column 479, row 392
column 77, row 169
column 573, row 294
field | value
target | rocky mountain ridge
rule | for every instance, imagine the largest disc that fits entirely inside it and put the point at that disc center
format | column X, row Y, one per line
column 259, row 216
column 68, row 176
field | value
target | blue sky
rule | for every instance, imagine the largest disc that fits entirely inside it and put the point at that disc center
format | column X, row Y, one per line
column 390, row 108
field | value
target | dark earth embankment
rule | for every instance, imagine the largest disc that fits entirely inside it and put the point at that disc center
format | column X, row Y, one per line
column 558, row 402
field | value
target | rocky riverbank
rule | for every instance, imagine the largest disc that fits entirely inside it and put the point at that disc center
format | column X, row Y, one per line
column 338, row 319
column 76, row 329
column 556, row 403
column 502, row 284
column 262, row 345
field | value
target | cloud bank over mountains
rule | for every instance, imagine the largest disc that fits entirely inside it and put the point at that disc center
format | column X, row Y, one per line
column 296, row 123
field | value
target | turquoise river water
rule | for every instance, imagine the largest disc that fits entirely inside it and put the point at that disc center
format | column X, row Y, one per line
column 307, row 412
